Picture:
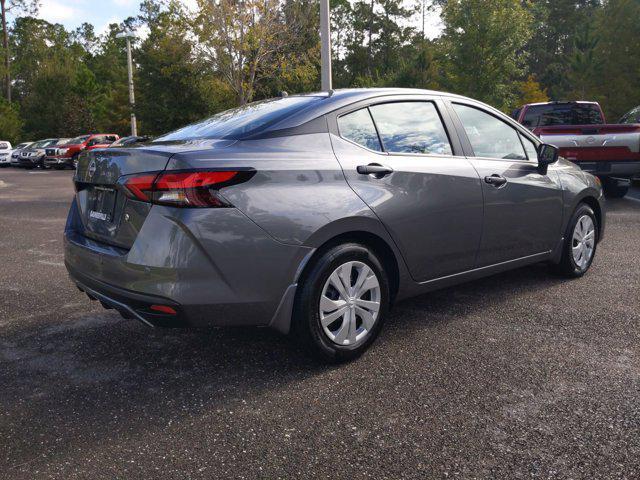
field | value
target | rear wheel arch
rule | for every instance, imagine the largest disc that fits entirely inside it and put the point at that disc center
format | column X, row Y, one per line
column 379, row 246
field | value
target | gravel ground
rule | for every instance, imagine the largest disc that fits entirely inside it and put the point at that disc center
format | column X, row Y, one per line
column 521, row 375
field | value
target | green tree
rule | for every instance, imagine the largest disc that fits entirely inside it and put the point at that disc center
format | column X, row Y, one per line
column 10, row 121
column 555, row 24
column 618, row 55
column 379, row 31
column 6, row 6
column 483, row 42
column 169, row 78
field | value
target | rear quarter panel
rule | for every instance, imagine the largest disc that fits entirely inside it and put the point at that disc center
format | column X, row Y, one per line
column 298, row 191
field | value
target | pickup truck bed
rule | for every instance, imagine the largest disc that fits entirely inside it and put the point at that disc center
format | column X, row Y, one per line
column 609, row 151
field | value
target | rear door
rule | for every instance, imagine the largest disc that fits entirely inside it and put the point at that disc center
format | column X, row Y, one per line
column 522, row 206
column 398, row 157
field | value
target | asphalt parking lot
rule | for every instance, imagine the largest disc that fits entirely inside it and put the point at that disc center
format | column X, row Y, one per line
column 522, row 375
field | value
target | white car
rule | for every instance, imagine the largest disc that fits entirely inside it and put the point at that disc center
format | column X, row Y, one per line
column 5, row 153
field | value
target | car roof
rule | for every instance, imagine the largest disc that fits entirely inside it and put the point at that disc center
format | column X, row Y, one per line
column 335, row 99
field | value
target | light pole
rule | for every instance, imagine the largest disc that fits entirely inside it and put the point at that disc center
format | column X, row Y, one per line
column 325, row 51
column 128, row 35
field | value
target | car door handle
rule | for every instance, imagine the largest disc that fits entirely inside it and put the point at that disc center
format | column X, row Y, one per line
column 375, row 169
column 496, row 180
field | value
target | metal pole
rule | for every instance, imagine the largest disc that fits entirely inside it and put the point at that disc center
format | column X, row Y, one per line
column 132, row 101
column 325, row 52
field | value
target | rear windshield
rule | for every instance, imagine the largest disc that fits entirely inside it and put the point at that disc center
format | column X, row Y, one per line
column 77, row 140
column 562, row 114
column 4, row 145
column 241, row 121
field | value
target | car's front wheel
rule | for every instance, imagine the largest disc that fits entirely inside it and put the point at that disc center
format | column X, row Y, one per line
column 613, row 189
column 580, row 243
column 342, row 302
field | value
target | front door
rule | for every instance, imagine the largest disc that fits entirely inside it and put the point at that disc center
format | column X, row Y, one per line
column 523, row 206
column 398, row 158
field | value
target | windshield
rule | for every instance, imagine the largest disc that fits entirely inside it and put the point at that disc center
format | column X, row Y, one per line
column 4, row 146
column 22, row 145
column 64, row 141
column 240, row 121
column 631, row 117
column 77, row 140
column 41, row 144
column 562, row 114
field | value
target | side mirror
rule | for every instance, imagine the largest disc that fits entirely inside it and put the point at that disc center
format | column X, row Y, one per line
column 547, row 154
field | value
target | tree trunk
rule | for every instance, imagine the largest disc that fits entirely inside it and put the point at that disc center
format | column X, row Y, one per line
column 370, row 59
column 5, row 45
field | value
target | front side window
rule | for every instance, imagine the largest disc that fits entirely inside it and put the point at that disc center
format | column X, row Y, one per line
column 411, row 127
column 359, row 128
column 489, row 137
column 530, row 148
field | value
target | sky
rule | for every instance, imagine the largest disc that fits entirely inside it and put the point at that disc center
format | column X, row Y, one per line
column 100, row 13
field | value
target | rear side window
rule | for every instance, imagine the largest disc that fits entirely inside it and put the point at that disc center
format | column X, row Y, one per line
column 489, row 136
column 359, row 128
column 411, row 127
column 562, row 114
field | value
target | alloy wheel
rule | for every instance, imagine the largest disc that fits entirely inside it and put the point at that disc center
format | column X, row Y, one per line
column 350, row 303
column 583, row 241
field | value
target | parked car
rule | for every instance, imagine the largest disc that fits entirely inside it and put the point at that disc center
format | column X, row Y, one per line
column 15, row 153
column 52, row 156
column 579, row 129
column 632, row 116
column 67, row 155
column 5, row 153
column 33, row 155
column 312, row 214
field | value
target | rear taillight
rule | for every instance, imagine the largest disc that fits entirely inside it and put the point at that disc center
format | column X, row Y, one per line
column 183, row 189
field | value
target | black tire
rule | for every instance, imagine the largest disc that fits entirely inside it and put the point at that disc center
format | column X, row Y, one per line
column 612, row 189
column 568, row 266
column 307, row 326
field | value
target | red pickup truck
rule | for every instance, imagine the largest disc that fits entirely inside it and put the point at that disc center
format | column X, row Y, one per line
column 579, row 130
column 61, row 156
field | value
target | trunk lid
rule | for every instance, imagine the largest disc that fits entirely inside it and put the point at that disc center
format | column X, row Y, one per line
column 106, row 213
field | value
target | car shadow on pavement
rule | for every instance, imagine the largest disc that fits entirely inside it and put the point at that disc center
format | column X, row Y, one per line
column 86, row 377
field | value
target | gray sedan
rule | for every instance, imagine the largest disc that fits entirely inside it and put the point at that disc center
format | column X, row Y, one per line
column 313, row 214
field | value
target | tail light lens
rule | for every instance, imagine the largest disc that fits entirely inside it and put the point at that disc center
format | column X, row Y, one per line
column 183, row 189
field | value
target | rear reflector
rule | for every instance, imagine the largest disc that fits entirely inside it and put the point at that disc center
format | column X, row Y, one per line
column 183, row 189
column 163, row 309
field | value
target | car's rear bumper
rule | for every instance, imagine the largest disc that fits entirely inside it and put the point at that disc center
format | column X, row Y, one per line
column 604, row 168
column 214, row 267
column 130, row 305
